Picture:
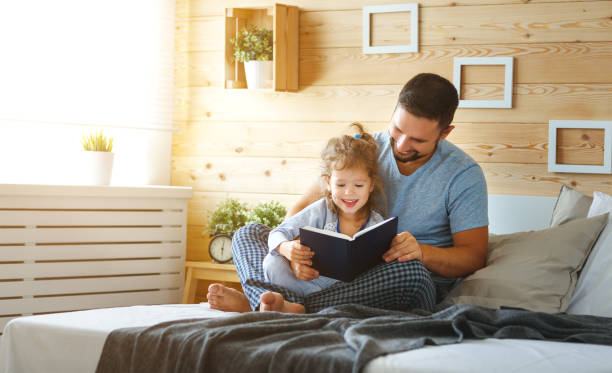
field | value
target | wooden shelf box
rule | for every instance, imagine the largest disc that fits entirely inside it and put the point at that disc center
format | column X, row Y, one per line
column 283, row 20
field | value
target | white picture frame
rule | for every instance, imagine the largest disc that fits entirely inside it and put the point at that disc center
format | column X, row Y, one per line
column 413, row 8
column 507, row 62
column 553, row 166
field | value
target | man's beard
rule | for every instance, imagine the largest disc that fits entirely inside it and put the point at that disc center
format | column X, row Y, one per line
column 410, row 158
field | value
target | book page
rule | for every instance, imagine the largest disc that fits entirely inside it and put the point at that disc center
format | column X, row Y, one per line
column 329, row 233
column 371, row 227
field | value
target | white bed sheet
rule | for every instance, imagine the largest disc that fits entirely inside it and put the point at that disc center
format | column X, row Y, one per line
column 72, row 342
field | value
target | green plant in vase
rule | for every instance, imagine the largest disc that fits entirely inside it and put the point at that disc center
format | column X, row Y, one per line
column 268, row 213
column 228, row 216
column 97, row 142
column 97, row 159
column 254, row 46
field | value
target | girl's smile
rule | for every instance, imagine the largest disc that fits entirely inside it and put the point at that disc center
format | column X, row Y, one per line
column 350, row 189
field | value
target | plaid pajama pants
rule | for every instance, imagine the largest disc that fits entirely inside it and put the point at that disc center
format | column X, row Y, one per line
column 393, row 286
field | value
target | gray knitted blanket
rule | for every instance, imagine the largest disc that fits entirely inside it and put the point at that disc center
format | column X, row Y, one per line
column 337, row 339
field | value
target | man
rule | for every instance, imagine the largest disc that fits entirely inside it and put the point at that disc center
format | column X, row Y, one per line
column 437, row 191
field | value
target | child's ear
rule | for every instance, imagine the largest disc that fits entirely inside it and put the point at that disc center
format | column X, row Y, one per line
column 326, row 179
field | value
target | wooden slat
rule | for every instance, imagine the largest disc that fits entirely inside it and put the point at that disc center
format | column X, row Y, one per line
column 502, row 142
column 204, row 203
column 241, row 176
column 487, row 24
column 291, row 139
column 293, row 42
column 97, row 268
column 203, row 69
column 482, row 92
column 258, row 175
column 104, row 251
column 82, row 302
column 540, row 63
column 198, row 240
column 205, row 33
column 89, row 285
column 580, row 146
column 197, row 243
column 90, row 218
column 537, row 63
column 216, row 7
column 85, row 203
column 532, row 103
column 89, row 192
column 534, row 180
column 231, row 67
column 280, row 47
column 90, row 235
column 485, row 142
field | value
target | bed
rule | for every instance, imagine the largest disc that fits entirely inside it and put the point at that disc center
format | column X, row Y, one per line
column 73, row 342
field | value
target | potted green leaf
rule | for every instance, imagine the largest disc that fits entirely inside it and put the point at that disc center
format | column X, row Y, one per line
column 98, row 158
column 229, row 215
column 268, row 213
column 253, row 47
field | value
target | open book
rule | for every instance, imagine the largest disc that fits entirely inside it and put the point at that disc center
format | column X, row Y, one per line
column 341, row 257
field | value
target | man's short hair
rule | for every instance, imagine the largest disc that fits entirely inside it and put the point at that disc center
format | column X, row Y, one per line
column 430, row 96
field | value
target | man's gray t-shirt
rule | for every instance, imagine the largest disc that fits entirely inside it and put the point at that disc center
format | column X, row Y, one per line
column 446, row 195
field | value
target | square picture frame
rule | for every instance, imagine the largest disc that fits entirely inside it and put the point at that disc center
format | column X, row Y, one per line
column 507, row 62
column 553, row 166
column 368, row 10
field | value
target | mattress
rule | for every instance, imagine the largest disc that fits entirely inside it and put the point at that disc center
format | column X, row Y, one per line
column 73, row 341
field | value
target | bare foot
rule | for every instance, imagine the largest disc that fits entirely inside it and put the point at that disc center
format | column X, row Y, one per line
column 223, row 298
column 270, row 301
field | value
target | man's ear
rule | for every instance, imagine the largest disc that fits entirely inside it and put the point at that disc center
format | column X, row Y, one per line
column 446, row 132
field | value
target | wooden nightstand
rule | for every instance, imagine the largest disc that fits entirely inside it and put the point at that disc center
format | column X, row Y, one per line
column 206, row 271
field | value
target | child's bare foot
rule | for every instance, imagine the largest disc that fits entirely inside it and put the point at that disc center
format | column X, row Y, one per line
column 224, row 298
column 271, row 301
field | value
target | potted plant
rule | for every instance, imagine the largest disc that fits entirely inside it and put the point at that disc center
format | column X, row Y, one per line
column 231, row 214
column 253, row 47
column 98, row 158
column 269, row 213
column 228, row 216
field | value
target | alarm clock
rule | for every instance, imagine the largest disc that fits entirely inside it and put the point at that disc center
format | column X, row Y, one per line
column 220, row 248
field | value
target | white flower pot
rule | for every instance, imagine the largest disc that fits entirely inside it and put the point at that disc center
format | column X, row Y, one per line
column 258, row 74
column 97, row 167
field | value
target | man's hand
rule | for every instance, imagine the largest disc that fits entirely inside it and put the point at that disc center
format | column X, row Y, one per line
column 404, row 247
column 295, row 252
column 304, row 272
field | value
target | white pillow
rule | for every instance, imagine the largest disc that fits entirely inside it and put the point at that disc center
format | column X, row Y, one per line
column 593, row 295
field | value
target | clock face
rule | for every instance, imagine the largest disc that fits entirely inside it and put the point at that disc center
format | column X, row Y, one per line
column 220, row 248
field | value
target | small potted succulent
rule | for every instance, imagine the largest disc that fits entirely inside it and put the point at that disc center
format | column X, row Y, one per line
column 98, row 158
column 253, row 47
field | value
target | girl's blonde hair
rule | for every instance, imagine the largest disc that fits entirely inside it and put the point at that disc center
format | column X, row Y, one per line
column 349, row 152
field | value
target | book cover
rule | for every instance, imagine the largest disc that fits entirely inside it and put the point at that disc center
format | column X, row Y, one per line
column 343, row 257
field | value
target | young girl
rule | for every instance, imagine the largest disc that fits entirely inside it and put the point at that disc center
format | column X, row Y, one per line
column 350, row 173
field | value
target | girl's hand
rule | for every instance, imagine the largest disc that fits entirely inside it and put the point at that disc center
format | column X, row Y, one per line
column 404, row 247
column 295, row 252
column 304, row 272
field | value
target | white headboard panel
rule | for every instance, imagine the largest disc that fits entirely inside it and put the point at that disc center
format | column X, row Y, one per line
column 508, row 214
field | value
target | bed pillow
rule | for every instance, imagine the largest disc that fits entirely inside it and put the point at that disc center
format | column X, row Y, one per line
column 570, row 205
column 593, row 295
column 535, row 270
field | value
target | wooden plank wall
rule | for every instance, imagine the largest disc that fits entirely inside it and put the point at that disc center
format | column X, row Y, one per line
column 265, row 145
